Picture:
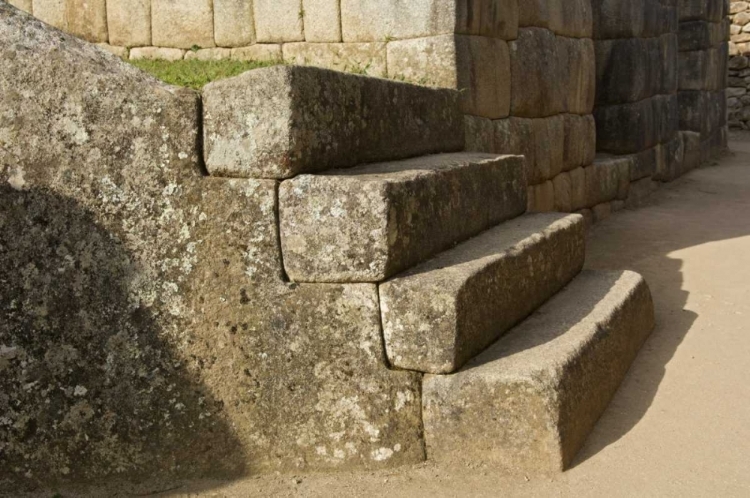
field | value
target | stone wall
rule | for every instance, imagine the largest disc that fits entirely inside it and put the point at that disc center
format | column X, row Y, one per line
column 738, row 98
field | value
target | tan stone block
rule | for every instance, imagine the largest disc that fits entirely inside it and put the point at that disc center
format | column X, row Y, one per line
column 157, row 53
column 580, row 141
column 322, row 19
column 278, row 20
column 24, row 5
column 360, row 58
column 483, row 75
column 52, row 12
column 498, row 18
column 539, row 74
column 87, row 19
column 541, row 141
column 542, row 199
column 577, row 189
column 129, row 22
column 121, row 52
column 234, row 25
column 367, row 20
column 258, row 52
column 561, row 184
column 181, row 24
column 602, row 211
column 208, row 54
column 426, row 61
column 578, row 61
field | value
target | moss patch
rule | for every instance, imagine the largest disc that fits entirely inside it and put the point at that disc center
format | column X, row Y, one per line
column 196, row 73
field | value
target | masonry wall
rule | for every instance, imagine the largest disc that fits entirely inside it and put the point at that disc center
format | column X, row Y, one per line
column 738, row 99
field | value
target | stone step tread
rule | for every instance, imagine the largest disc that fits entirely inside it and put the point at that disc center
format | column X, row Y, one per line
column 529, row 401
column 370, row 222
column 441, row 313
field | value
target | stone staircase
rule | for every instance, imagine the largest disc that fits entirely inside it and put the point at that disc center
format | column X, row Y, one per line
column 521, row 351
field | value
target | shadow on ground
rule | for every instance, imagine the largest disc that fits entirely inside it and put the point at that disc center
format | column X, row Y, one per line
column 717, row 211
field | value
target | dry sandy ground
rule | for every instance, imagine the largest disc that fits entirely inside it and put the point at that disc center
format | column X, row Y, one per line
column 680, row 423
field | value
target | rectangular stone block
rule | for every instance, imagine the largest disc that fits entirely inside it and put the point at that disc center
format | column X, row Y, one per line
column 258, row 52
column 157, row 53
column 670, row 160
column 541, row 198
column 606, row 179
column 360, row 58
column 700, row 35
column 129, row 22
column 539, row 82
column 180, row 24
column 618, row 19
column 578, row 61
column 639, row 192
column 371, row 222
column 483, row 76
column 527, row 404
column 209, row 54
column 480, row 134
column 699, row 70
column 87, row 19
column 541, row 141
column 53, row 12
column 669, row 63
column 440, row 314
column 281, row 121
column 278, row 21
column 322, row 20
column 626, row 128
column 497, row 18
column 701, row 10
column 234, row 23
column 643, row 164
column 384, row 20
column 627, row 70
column 579, row 147
column 426, row 61
column 577, row 189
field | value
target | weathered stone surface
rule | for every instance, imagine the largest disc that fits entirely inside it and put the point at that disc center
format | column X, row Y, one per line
column 367, row 21
column 691, row 149
column 258, row 52
column 628, row 70
column 538, row 77
column 480, row 134
column 87, row 19
column 703, row 10
column 563, row 193
column 699, row 70
column 360, row 58
column 425, row 61
column 666, row 117
column 579, row 141
column 578, row 61
column 605, row 179
column 626, row 128
column 577, row 189
column 643, row 164
column 527, row 404
column 153, row 314
column 322, row 20
column 618, row 18
column 669, row 63
column 278, row 21
column 700, row 35
column 440, row 314
column 52, row 12
column 280, row 121
column 492, row 18
column 234, row 23
column 208, row 54
column 157, row 53
column 129, row 22
column 371, row 222
column 670, row 160
column 541, row 141
column 602, row 211
column 120, row 52
column 483, row 76
column 180, row 24
column 541, row 198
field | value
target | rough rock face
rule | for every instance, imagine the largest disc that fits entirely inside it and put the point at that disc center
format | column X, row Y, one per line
column 145, row 327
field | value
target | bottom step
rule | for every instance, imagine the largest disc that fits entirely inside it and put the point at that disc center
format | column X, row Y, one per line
column 528, row 402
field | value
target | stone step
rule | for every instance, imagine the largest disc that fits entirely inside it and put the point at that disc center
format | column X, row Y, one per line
column 527, row 404
column 368, row 223
column 438, row 315
column 281, row 121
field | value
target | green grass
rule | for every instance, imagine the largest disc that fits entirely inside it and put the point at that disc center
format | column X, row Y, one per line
column 196, row 73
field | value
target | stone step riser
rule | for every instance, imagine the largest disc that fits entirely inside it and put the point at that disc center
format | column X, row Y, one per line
column 440, row 314
column 527, row 404
column 368, row 223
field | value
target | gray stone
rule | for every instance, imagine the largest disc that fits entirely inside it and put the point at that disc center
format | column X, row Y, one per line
column 426, row 61
column 258, row 52
column 440, row 314
column 527, row 404
column 580, row 141
column 367, row 59
column 699, row 70
column 483, row 68
column 234, row 23
column 577, row 189
column 367, row 21
column 538, row 77
column 626, row 128
column 154, row 315
column 700, row 35
column 371, row 222
column 322, row 20
column 278, row 21
column 578, row 61
column 563, row 193
column 691, row 149
column 670, row 160
column 702, row 10
column 628, row 70
column 480, row 134
column 208, row 54
column 541, row 198
column 157, row 53
column 618, row 18
column 281, row 121
column 669, row 45
column 541, row 141
column 639, row 192
column 605, row 179
column 643, row 164
column 602, row 211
